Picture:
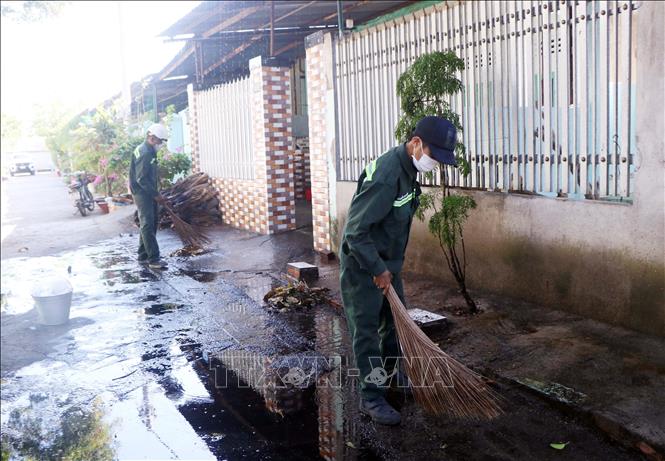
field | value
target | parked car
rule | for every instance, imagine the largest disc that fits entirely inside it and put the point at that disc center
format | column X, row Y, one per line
column 21, row 164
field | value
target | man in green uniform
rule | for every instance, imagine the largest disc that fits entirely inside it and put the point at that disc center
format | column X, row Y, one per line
column 144, row 185
column 372, row 254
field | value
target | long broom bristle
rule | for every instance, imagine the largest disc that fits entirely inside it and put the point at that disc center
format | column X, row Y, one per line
column 440, row 383
column 189, row 235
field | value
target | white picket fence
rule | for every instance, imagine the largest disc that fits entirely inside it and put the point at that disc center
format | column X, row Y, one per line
column 225, row 130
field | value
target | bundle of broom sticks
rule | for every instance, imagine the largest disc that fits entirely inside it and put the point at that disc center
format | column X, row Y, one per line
column 440, row 384
column 189, row 235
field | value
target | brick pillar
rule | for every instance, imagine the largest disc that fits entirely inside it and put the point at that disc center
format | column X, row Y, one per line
column 193, row 129
column 273, row 143
column 322, row 145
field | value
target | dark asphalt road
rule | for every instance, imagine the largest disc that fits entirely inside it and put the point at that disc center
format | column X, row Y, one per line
column 39, row 219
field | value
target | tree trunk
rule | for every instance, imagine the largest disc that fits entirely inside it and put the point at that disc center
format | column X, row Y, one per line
column 459, row 274
column 473, row 308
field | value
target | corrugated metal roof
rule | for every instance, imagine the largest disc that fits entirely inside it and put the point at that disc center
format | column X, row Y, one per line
column 229, row 33
column 207, row 15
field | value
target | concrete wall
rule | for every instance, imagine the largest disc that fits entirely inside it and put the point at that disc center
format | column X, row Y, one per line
column 600, row 260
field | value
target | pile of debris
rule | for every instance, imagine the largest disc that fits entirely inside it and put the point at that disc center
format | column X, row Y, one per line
column 189, row 250
column 193, row 199
column 296, row 295
column 123, row 199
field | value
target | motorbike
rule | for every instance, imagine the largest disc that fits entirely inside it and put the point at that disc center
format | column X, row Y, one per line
column 85, row 201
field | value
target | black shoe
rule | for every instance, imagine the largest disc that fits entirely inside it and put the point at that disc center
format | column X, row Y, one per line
column 143, row 262
column 380, row 411
column 158, row 265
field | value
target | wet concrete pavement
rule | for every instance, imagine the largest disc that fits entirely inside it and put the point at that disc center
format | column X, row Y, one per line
column 187, row 364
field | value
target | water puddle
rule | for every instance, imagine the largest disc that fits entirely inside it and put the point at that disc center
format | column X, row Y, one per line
column 200, row 276
column 142, row 370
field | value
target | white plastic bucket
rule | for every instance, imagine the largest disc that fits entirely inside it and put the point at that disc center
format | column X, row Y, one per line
column 53, row 299
column 53, row 310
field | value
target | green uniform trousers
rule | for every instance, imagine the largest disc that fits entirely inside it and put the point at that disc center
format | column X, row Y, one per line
column 148, row 221
column 371, row 326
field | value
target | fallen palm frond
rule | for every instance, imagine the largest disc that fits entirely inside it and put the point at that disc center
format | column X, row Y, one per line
column 194, row 199
column 190, row 235
column 440, row 383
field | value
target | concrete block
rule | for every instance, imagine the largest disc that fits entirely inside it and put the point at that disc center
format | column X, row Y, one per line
column 303, row 271
column 326, row 255
column 426, row 319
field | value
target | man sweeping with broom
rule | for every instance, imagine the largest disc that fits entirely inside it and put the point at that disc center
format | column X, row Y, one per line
column 372, row 255
column 144, row 185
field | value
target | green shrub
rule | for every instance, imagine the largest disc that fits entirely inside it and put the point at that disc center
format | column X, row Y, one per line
column 172, row 167
column 426, row 89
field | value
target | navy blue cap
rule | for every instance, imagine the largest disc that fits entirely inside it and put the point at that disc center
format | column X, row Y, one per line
column 441, row 137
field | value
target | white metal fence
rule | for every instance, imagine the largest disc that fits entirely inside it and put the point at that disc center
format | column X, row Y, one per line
column 548, row 105
column 225, row 130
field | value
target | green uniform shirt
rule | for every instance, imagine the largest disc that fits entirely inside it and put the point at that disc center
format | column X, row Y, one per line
column 379, row 219
column 143, row 177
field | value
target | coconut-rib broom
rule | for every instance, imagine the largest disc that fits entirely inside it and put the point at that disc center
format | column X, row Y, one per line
column 190, row 235
column 440, row 384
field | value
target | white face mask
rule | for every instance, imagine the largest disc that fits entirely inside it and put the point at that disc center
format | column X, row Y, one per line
column 158, row 144
column 426, row 163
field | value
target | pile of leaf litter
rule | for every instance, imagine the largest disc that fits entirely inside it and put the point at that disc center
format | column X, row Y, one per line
column 296, row 296
column 189, row 250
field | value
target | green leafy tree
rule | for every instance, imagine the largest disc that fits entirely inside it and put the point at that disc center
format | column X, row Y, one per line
column 115, row 169
column 81, row 435
column 31, row 11
column 96, row 137
column 101, row 142
column 10, row 131
column 55, row 122
column 93, row 142
column 426, row 89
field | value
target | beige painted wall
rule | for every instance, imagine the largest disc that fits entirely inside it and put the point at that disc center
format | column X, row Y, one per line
column 601, row 260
